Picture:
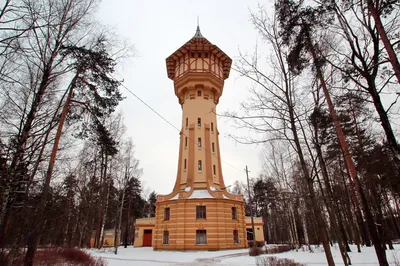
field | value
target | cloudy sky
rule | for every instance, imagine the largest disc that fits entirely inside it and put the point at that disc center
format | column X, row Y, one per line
column 157, row 28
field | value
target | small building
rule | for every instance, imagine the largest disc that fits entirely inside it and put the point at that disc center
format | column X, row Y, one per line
column 109, row 236
column 258, row 227
column 144, row 232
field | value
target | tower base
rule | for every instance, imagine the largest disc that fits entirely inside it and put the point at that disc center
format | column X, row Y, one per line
column 224, row 226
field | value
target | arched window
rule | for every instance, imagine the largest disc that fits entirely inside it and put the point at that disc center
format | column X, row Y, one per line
column 212, row 127
column 199, row 142
column 199, row 122
column 200, row 167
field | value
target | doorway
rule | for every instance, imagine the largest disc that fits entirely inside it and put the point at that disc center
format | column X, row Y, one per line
column 147, row 238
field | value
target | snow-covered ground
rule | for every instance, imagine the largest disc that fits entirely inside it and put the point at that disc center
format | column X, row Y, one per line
column 146, row 257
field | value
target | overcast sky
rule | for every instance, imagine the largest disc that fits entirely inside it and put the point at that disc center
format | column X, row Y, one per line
column 157, row 29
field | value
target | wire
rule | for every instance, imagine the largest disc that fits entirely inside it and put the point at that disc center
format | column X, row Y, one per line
column 166, row 120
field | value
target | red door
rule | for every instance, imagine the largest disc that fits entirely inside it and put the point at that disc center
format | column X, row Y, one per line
column 147, row 238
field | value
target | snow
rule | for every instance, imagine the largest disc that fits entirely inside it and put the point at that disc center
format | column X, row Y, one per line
column 146, row 256
column 201, row 194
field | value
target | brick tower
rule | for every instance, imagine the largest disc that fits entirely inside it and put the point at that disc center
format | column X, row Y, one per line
column 199, row 214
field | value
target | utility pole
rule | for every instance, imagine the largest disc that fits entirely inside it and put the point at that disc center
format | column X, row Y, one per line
column 250, row 206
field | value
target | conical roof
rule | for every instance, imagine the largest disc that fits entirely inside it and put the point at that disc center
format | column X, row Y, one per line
column 198, row 43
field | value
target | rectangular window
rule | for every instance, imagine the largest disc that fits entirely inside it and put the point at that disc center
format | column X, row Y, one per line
column 199, row 122
column 185, row 142
column 206, row 55
column 235, row 236
column 213, row 147
column 201, row 237
column 184, row 164
column 200, row 167
column 200, row 212
column 165, row 238
column 234, row 213
column 214, row 170
column 199, row 142
column 192, row 54
column 199, row 55
column 198, row 93
column 166, row 214
column 212, row 127
column 187, row 122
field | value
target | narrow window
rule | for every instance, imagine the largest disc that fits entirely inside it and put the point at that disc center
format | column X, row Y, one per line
column 184, row 164
column 200, row 212
column 187, row 122
column 166, row 214
column 200, row 166
column 199, row 142
column 185, row 142
column 198, row 93
column 234, row 214
column 192, row 54
column 165, row 238
column 199, row 122
column 199, row 55
column 214, row 170
column 213, row 147
column 235, row 236
column 206, row 55
column 212, row 127
column 201, row 237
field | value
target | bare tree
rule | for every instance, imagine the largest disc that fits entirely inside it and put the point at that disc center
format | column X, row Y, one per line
column 272, row 109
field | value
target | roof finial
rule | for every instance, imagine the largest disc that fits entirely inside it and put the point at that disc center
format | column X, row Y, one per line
column 198, row 33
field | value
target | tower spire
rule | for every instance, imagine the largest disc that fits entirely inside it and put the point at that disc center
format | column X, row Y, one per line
column 198, row 33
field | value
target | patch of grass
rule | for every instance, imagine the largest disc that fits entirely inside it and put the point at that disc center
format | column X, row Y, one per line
column 255, row 251
column 277, row 249
column 63, row 256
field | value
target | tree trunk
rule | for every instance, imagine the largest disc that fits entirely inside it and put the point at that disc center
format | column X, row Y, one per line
column 33, row 240
column 105, row 200
column 118, row 229
column 380, row 252
column 311, row 193
column 382, row 33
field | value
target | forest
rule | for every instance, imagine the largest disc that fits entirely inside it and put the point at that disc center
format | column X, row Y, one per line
column 67, row 167
column 323, row 107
